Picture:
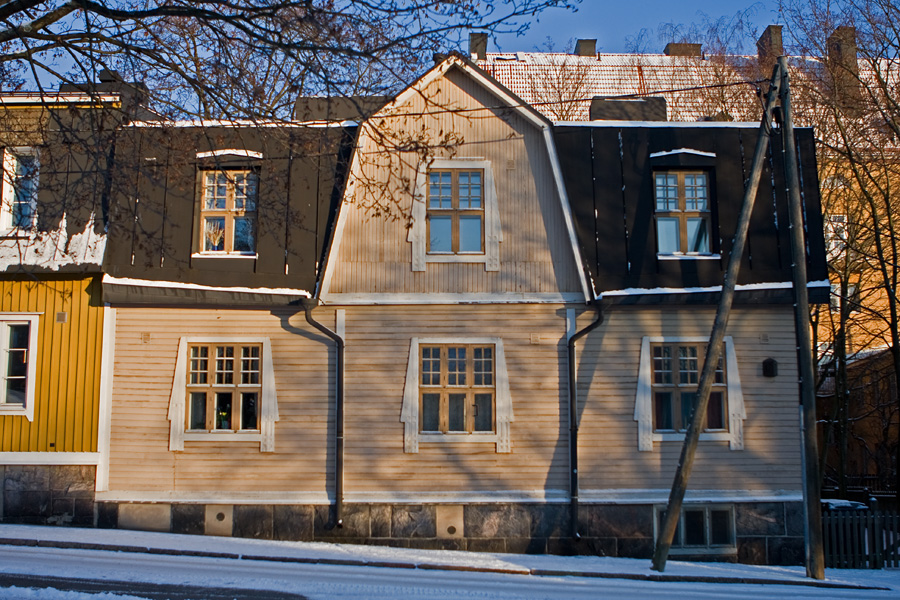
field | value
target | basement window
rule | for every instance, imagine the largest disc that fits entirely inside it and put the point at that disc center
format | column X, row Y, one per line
column 702, row 529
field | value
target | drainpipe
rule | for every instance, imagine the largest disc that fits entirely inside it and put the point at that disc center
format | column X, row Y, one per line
column 573, row 422
column 308, row 305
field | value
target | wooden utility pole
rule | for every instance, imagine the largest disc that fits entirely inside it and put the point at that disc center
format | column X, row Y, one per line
column 815, row 558
column 714, row 349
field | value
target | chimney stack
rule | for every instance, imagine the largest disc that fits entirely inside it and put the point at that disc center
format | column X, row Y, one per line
column 478, row 45
column 683, row 49
column 586, row 48
column 844, row 67
column 769, row 46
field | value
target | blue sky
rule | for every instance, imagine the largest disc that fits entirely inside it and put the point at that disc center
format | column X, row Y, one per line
column 611, row 22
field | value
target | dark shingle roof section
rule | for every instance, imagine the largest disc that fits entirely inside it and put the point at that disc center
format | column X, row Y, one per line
column 608, row 173
column 155, row 210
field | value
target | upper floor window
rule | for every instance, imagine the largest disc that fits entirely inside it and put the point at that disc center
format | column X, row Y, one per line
column 455, row 214
column 835, row 237
column 682, row 212
column 676, row 375
column 18, row 366
column 228, row 211
column 20, row 185
column 455, row 211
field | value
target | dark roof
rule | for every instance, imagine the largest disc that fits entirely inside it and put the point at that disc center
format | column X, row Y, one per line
column 607, row 170
column 154, row 213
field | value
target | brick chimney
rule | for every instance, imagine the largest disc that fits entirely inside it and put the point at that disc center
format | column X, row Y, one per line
column 769, row 47
column 586, row 48
column 843, row 65
column 683, row 49
column 478, row 41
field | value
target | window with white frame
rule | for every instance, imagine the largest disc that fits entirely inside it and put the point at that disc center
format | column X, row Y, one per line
column 18, row 363
column 668, row 376
column 835, row 237
column 701, row 529
column 223, row 389
column 228, row 212
column 455, row 217
column 682, row 212
column 20, row 186
column 676, row 375
column 457, row 390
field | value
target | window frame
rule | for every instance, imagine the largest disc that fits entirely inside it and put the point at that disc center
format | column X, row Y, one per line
column 678, row 416
column 644, row 405
column 682, row 214
column 33, row 321
column 230, row 214
column 412, row 395
column 211, row 387
column 455, row 212
column 11, row 156
column 679, row 547
column 444, row 389
column 267, row 410
column 491, row 233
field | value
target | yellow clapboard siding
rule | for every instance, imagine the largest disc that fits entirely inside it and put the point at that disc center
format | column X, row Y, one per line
column 67, row 385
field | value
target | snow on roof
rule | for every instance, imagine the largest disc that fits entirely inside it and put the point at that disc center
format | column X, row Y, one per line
column 110, row 280
column 782, row 285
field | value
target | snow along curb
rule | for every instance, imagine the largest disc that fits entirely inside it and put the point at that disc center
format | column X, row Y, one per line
column 433, row 567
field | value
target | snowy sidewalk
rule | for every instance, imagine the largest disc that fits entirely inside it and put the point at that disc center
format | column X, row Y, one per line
column 406, row 558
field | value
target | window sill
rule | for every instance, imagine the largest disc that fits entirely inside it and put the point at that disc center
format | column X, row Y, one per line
column 456, row 258
column 706, row 436
column 661, row 256
column 13, row 409
column 224, row 255
column 17, row 234
column 252, row 435
column 425, row 437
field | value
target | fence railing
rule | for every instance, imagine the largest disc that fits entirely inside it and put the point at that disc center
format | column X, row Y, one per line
column 861, row 539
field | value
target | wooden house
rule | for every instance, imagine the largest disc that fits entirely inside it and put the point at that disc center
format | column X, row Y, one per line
column 383, row 354
column 55, row 149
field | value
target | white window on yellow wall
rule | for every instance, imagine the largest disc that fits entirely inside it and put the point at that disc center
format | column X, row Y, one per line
column 18, row 363
column 20, row 187
column 223, row 389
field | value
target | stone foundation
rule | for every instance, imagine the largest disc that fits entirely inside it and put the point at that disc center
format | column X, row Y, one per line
column 766, row 533
column 47, row 494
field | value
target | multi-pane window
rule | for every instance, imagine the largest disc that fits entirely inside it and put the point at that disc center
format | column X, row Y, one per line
column 228, row 211
column 15, row 338
column 455, row 212
column 223, row 387
column 835, row 237
column 702, row 528
column 682, row 212
column 676, row 375
column 457, row 388
column 20, row 185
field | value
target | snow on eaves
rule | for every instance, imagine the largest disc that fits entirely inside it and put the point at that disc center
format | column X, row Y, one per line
column 110, row 280
column 53, row 249
column 682, row 151
column 239, row 123
column 783, row 285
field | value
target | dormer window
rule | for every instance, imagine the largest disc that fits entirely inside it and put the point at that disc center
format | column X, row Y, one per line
column 20, row 185
column 228, row 212
column 682, row 212
column 455, row 212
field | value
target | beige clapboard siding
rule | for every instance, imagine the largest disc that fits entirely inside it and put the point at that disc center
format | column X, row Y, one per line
column 608, row 371
column 535, row 255
column 140, row 459
column 377, row 354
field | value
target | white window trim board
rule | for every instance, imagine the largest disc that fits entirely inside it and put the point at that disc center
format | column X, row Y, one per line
column 493, row 232
column 33, row 320
column 8, row 188
column 643, row 405
column 178, row 398
column 409, row 415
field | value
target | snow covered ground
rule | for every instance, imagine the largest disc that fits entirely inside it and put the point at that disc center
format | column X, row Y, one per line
column 325, row 571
